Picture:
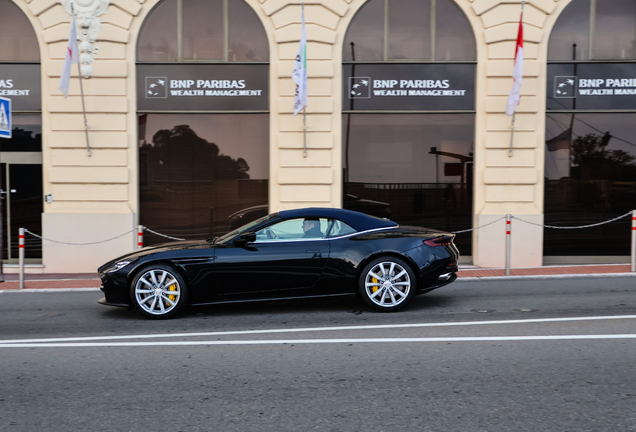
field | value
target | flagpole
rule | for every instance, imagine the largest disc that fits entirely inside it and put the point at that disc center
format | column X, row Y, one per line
column 79, row 69
column 304, row 132
column 304, row 108
column 512, row 134
column 514, row 112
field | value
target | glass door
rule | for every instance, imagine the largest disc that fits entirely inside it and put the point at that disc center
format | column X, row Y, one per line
column 22, row 206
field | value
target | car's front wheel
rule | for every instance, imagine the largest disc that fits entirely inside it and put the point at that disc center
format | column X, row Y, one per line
column 158, row 292
column 387, row 284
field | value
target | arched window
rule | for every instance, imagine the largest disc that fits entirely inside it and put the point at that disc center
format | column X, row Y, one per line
column 408, row 114
column 594, row 30
column 417, row 30
column 17, row 37
column 203, row 30
column 203, row 107
column 21, row 167
column 590, row 154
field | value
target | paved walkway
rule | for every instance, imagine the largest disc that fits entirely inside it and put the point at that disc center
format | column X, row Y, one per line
column 91, row 281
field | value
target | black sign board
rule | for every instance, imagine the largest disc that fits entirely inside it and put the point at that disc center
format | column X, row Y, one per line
column 21, row 84
column 202, row 87
column 423, row 87
column 591, row 86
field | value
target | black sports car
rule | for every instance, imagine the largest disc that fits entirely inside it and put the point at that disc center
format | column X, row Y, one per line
column 312, row 252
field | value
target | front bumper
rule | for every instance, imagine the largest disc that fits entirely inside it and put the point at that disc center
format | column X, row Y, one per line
column 105, row 302
column 115, row 289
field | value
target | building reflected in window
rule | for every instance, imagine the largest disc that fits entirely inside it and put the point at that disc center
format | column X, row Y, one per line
column 418, row 167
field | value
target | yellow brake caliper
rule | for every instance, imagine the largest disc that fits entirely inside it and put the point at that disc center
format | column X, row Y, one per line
column 172, row 287
column 374, row 288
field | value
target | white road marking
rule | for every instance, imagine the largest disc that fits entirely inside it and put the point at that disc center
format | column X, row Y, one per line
column 322, row 341
column 320, row 329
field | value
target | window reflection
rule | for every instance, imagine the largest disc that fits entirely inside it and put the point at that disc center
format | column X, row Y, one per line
column 205, row 34
column 570, row 35
column 614, row 33
column 158, row 39
column 26, row 134
column 408, row 26
column 366, row 32
column 615, row 29
column 198, row 170
column 454, row 39
column 247, row 41
column 203, row 31
column 410, row 29
column 417, row 167
column 17, row 37
column 590, row 169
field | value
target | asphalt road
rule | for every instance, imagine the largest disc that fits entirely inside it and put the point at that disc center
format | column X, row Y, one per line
column 522, row 355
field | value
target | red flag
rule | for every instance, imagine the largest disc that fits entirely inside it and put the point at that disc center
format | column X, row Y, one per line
column 517, row 73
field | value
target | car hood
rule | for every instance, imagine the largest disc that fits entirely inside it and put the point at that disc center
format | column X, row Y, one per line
column 151, row 250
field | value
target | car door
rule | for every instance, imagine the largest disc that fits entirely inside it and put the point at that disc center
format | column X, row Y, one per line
column 283, row 262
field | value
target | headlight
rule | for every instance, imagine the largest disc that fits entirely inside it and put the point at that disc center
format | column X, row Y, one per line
column 118, row 266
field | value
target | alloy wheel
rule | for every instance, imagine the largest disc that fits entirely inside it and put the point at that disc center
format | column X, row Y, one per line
column 387, row 284
column 157, row 292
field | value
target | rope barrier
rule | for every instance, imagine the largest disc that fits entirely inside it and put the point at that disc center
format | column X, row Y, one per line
column 140, row 229
column 574, row 227
column 163, row 235
column 476, row 228
column 77, row 244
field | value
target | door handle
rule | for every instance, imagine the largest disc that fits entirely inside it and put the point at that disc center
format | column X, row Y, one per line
column 316, row 253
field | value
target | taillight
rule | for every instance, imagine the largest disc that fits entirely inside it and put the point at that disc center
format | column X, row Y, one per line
column 439, row 241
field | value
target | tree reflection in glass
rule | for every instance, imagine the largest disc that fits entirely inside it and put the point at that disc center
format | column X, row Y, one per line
column 190, row 185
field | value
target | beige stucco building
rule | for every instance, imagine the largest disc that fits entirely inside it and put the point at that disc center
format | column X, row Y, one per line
column 98, row 197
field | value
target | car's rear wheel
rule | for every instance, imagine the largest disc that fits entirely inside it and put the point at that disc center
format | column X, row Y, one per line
column 387, row 284
column 159, row 292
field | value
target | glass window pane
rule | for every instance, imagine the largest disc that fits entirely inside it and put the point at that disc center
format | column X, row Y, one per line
column 294, row 229
column 26, row 134
column 410, row 29
column 247, row 39
column 203, row 34
column 590, row 169
column 366, row 32
column 340, row 228
column 198, row 170
column 158, row 39
column 416, row 169
column 572, row 27
column 454, row 39
column 17, row 37
column 615, row 29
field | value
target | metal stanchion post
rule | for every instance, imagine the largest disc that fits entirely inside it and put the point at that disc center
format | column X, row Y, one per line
column 140, row 236
column 633, row 241
column 21, row 256
column 508, row 243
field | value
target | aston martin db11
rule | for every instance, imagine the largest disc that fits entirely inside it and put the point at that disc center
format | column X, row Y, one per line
column 312, row 252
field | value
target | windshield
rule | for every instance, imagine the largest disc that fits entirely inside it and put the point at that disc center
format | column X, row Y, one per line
column 245, row 228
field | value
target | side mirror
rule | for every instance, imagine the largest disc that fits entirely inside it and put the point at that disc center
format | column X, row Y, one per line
column 246, row 237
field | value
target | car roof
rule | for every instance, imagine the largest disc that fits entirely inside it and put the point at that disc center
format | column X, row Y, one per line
column 356, row 220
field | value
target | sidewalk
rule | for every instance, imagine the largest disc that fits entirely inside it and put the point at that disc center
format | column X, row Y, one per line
column 91, row 281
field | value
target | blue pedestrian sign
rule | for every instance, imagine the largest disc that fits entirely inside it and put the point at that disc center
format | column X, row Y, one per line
column 5, row 117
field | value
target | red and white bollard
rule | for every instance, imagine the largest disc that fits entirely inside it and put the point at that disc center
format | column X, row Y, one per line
column 21, row 256
column 633, row 254
column 140, row 236
column 508, row 243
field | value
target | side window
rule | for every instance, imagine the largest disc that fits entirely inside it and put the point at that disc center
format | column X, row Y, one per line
column 295, row 229
column 340, row 228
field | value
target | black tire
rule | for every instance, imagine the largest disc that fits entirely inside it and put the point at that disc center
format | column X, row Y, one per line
column 151, row 292
column 379, row 287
